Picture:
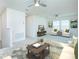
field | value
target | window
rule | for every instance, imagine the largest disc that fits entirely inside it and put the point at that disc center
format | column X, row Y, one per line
column 65, row 24
column 61, row 25
column 56, row 24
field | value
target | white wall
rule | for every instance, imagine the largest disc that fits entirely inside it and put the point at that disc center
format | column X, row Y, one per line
column 32, row 23
column 0, row 32
column 12, row 27
column 0, row 27
column 4, row 30
column 70, row 17
column 3, row 33
column 16, row 23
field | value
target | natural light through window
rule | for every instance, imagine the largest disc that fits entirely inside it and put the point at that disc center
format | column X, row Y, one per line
column 61, row 24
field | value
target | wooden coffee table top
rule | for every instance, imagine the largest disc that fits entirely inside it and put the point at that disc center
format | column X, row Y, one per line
column 38, row 49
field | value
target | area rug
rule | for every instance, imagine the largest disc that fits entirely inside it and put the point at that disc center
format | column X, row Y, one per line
column 55, row 52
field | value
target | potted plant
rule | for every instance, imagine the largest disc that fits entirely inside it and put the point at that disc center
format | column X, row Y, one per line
column 55, row 30
column 67, row 30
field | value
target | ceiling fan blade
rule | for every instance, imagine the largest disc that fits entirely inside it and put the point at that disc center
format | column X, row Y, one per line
column 35, row 1
column 44, row 5
column 30, row 5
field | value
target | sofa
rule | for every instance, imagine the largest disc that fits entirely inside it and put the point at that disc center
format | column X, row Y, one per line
column 76, row 51
column 71, row 50
column 67, row 53
column 57, row 32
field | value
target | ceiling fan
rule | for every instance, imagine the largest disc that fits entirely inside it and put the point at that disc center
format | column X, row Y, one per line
column 37, row 3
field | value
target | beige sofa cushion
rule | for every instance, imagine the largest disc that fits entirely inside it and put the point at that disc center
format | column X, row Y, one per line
column 74, row 41
column 67, row 53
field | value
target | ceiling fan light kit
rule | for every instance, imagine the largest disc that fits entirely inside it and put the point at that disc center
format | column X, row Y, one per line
column 37, row 4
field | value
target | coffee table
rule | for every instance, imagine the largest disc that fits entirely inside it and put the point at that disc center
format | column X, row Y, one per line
column 40, row 51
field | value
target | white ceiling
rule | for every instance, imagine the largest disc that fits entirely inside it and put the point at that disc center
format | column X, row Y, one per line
column 53, row 6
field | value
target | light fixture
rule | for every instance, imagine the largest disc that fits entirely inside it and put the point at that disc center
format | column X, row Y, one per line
column 37, row 4
column 7, row 57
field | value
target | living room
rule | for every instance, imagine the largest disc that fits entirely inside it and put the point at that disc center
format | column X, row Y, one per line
column 47, row 25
